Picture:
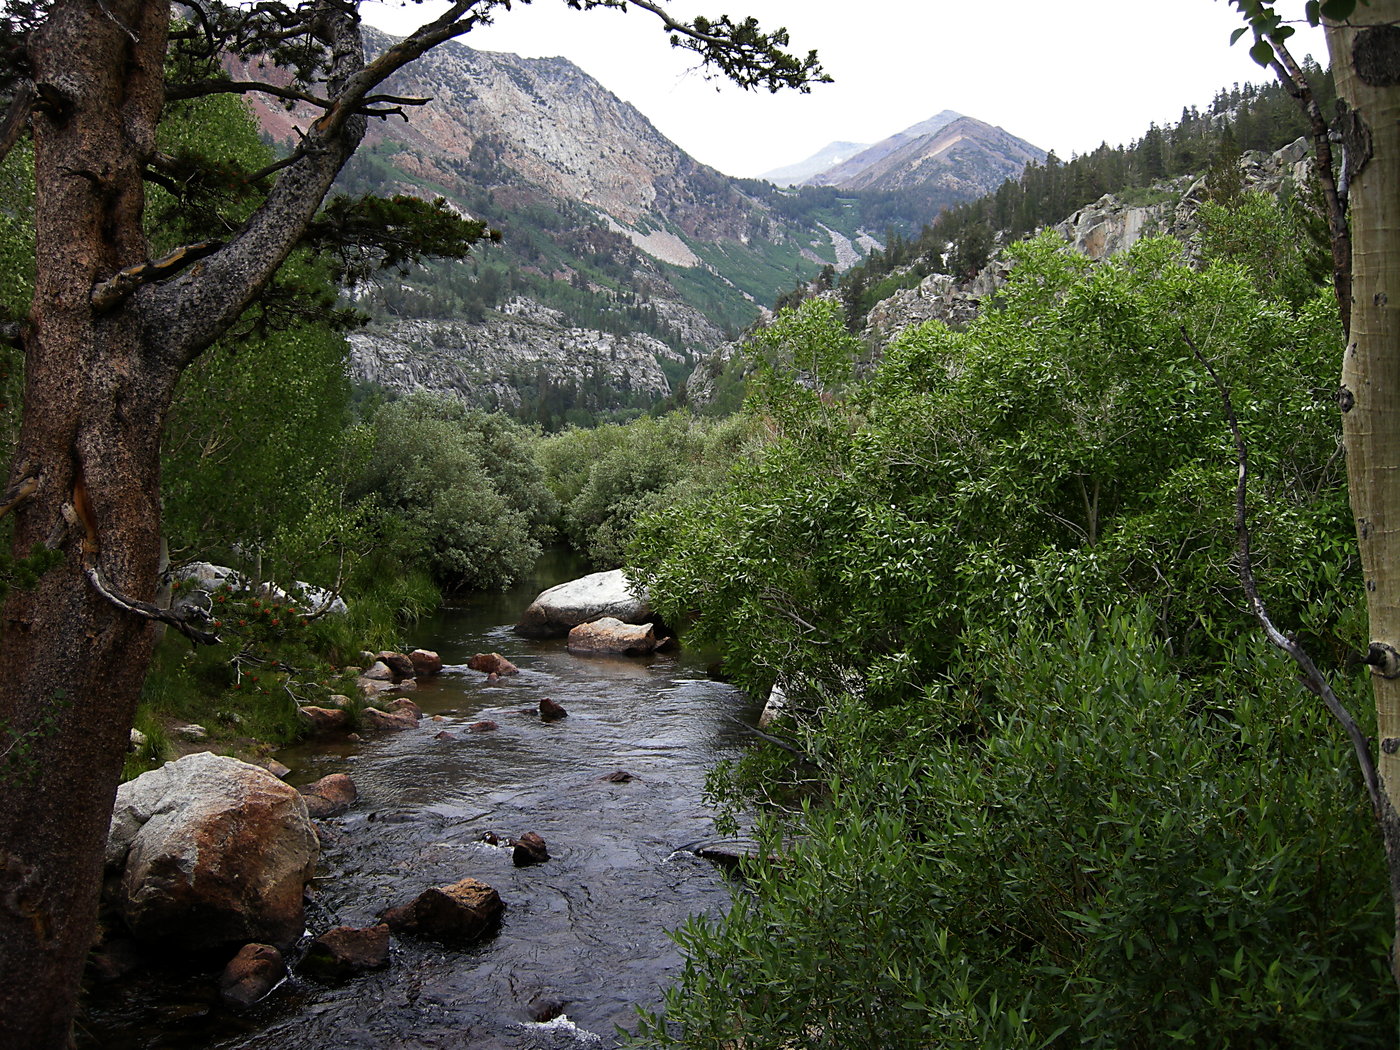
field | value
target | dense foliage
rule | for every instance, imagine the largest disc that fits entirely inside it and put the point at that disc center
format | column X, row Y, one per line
column 1047, row 786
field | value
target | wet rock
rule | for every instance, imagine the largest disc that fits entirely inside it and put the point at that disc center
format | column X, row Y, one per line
column 251, row 974
column 377, row 721
column 426, row 663
column 529, row 849
column 542, row 1011
column 345, row 951
column 330, row 796
column 550, row 711
column 379, row 671
column 557, row 610
column 484, row 726
column 490, row 838
column 404, row 706
column 325, row 719
column 620, row 777
column 493, row 677
column 444, row 735
column 611, row 635
column 276, row 768
column 465, row 911
column 371, row 687
column 492, row 663
column 399, row 663
column 209, row 851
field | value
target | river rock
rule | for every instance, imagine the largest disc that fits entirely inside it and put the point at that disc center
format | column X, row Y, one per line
column 484, row 726
column 404, row 706
column 559, row 609
column 611, row 635
column 551, row 711
column 251, row 974
column 208, row 851
column 379, row 671
column 492, row 663
column 371, row 718
column 426, row 663
column 325, row 719
column 330, row 796
column 344, row 951
column 464, row 911
column 400, row 664
column 529, row 849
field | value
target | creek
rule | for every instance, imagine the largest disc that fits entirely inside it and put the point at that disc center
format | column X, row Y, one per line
column 584, row 932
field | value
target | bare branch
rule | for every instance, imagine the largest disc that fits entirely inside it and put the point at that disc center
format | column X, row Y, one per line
column 199, row 89
column 1315, row 680
column 16, row 117
column 182, row 622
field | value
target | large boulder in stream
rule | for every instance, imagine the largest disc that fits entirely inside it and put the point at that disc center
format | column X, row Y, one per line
column 560, row 609
column 208, row 851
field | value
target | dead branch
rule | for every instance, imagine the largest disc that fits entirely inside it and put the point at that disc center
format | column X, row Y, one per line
column 1316, row 681
column 121, row 284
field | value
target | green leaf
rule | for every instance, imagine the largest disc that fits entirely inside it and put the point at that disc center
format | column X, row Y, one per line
column 1262, row 52
column 1235, row 36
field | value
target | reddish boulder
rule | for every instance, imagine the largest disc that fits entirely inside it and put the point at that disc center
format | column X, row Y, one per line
column 375, row 720
column 609, row 635
column 529, row 849
column 404, row 706
column 444, row 735
column 464, row 911
column 398, row 663
column 208, row 851
column 484, row 726
column 251, row 974
column 619, row 777
column 325, row 719
column 492, row 663
column 550, row 711
column 344, row 951
column 330, row 796
column 426, row 663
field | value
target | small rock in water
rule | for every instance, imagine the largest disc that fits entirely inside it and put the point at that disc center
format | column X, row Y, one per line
column 493, row 677
column 543, row 1010
column 252, row 973
column 426, row 663
column 277, row 769
column 444, row 735
column 464, row 911
column 484, row 726
column 620, row 777
column 529, row 849
column 344, row 950
column 550, row 711
column 330, row 796
column 490, row 838
column 492, row 663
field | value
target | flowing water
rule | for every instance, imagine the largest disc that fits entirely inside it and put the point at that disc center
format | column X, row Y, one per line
column 584, row 931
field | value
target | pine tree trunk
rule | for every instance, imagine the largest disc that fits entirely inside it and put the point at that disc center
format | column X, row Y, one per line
column 71, row 662
column 1366, row 64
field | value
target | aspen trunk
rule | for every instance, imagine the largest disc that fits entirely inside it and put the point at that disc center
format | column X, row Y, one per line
column 1366, row 63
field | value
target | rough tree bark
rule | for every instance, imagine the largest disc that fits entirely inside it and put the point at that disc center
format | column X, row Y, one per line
column 1365, row 55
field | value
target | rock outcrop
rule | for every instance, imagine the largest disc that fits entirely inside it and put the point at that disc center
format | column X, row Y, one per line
column 208, row 851
column 560, row 609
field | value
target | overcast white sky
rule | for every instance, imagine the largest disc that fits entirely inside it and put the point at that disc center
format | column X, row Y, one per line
column 1063, row 75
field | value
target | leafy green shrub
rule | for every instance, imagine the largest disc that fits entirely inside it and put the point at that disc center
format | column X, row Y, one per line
column 1066, row 844
column 1067, row 440
column 468, row 497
